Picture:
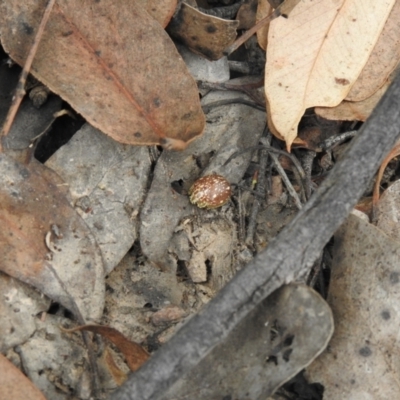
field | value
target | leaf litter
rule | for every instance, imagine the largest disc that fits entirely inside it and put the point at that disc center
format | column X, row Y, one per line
column 112, row 65
column 158, row 299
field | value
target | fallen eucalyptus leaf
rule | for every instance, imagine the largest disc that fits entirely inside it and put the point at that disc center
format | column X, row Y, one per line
column 15, row 385
column 315, row 56
column 44, row 242
column 126, row 78
column 107, row 186
column 364, row 294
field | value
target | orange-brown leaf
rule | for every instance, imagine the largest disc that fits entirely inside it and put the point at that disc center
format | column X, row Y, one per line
column 113, row 63
column 160, row 10
column 14, row 385
column 134, row 354
column 43, row 240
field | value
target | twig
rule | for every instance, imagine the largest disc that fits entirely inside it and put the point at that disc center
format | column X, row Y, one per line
column 248, row 34
column 287, row 257
column 286, row 181
column 260, row 191
column 20, row 89
column 307, row 162
column 333, row 141
column 283, row 10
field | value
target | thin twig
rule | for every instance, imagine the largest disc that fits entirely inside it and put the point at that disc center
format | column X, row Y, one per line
column 260, row 191
column 286, row 180
column 333, row 141
column 248, row 34
column 283, row 10
column 20, row 90
column 307, row 161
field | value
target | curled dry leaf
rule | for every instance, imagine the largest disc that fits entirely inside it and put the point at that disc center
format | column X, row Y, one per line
column 247, row 14
column 383, row 60
column 160, row 10
column 15, row 385
column 356, row 110
column 113, row 63
column 134, row 354
column 353, row 110
column 315, row 56
column 202, row 33
column 263, row 9
column 44, row 242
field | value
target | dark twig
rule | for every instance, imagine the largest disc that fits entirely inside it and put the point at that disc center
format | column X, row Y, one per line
column 300, row 175
column 307, row 162
column 260, row 192
column 20, row 90
column 287, row 257
column 333, row 141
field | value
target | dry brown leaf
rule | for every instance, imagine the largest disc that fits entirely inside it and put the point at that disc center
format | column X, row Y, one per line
column 118, row 375
column 160, row 10
column 383, row 60
column 263, row 9
column 315, row 56
column 246, row 14
column 113, row 63
column 203, row 34
column 14, row 385
column 44, row 242
column 134, row 354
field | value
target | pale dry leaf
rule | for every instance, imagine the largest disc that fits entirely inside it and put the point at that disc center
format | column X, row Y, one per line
column 383, row 60
column 356, row 110
column 364, row 294
column 19, row 306
column 352, row 111
column 315, row 56
column 388, row 211
column 113, row 63
column 107, row 186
